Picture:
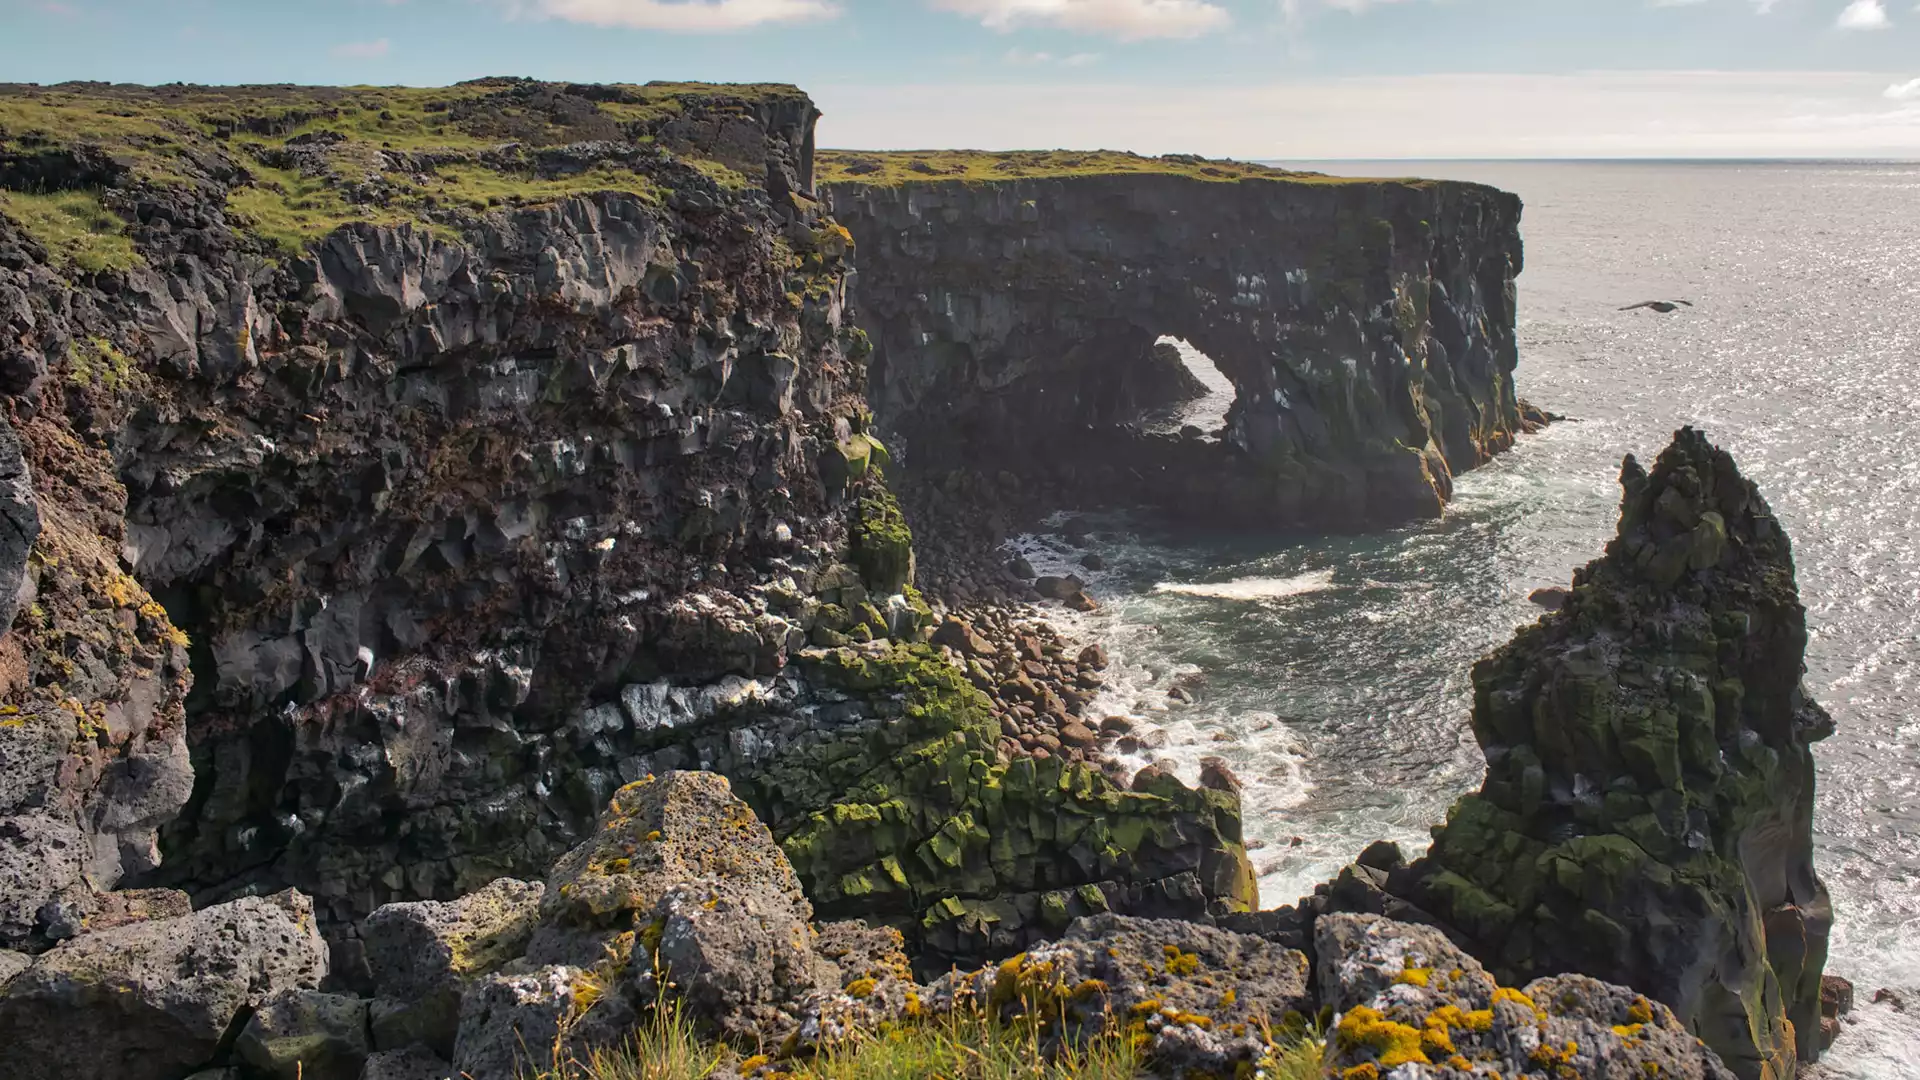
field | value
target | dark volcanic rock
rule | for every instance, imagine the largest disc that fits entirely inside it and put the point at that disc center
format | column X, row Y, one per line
column 1204, row 999
column 405, row 497
column 1314, row 299
column 152, row 1000
column 1405, row 996
column 1647, row 812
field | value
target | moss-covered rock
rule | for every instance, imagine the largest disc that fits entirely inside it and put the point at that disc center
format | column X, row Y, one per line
column 1647, row 812
column 882, row 544
column 918, row 822
column 1199, row 1001
column 1409, row 1002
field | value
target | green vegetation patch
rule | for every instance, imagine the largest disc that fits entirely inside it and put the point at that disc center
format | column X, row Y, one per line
column 77, row 230
column 298, row 162
column 892, row 167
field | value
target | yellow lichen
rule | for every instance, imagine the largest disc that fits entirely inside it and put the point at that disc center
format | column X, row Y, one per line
column 1641, row 1011
column 1549, row 1057
column 1366, row 1070
column 1179, row 963
column 1393, row 1043
column 1435, row 1040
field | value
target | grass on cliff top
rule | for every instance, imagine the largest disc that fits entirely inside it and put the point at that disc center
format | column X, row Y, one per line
column 75, row 228
column 423, row 144
column 893, row 167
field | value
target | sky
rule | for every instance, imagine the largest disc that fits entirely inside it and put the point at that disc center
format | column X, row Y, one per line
column 1251, row 79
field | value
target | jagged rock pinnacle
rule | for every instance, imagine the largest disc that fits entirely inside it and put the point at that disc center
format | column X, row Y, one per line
column 1647, row 812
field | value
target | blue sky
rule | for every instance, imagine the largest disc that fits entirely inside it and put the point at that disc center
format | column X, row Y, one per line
column 1246, row 78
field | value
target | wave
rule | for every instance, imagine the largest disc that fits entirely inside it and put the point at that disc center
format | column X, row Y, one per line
column 1253, row 588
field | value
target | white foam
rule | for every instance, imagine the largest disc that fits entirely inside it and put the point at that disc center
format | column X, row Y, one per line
column 1253, row 588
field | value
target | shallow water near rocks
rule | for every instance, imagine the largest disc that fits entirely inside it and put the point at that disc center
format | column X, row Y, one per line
column 1333, row 673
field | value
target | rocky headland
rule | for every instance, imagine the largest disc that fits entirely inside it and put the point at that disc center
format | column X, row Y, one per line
column 456, row 598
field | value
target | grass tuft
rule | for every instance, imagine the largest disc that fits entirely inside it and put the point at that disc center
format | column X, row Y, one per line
column 75, row 228
column 891, row 168
column 966, row 1044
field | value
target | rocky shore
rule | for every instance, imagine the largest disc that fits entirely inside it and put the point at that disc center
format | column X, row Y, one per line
column 457, row 599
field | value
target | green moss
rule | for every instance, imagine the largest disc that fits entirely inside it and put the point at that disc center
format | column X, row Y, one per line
column 380, row 155
column 894, row 167
column 919, row 815
column 98, row 364
column 77, row 230
column 882, row 544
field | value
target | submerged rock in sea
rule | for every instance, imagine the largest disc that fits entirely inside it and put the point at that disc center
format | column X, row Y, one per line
column 1647, row 812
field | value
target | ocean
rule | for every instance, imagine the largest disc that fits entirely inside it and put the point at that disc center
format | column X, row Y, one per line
column 1333, row 673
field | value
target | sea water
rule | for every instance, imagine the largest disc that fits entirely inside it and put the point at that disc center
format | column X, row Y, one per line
column 1333, row 673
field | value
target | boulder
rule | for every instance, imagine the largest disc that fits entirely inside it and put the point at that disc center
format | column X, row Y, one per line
column 42, row 858
column 412, row 1063
column 11, row 964
column 874, row 984
column 955, row 634
column 422, row 955
column 1217, row 775
column 518, row 1025
column 1203, row 998
column 1406, row 996
column 152, row 1000
column 306, row 1035
column 1647, row 812
column 1836, row 996
column 1059, row 588
column 680, row 863
column 1553, row 599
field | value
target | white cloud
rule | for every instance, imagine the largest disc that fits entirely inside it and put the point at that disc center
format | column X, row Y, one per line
column 1906, row 91
column 1588, row 114
column 1295, row 9
column 685, row 16
column 363, row 50
column 1128, row 20
column 1865, row 15
column 1022, row 58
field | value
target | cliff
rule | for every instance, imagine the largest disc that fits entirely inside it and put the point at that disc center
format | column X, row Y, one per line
column 402, row 471
column 1013, row 302
column 1648, row 808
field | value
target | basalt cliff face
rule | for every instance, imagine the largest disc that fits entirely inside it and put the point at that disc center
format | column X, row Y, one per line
column 391, row 475
column 1648, row 807
column 1367, row 327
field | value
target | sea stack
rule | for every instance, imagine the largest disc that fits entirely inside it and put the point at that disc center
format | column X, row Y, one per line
column 1647, row 813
